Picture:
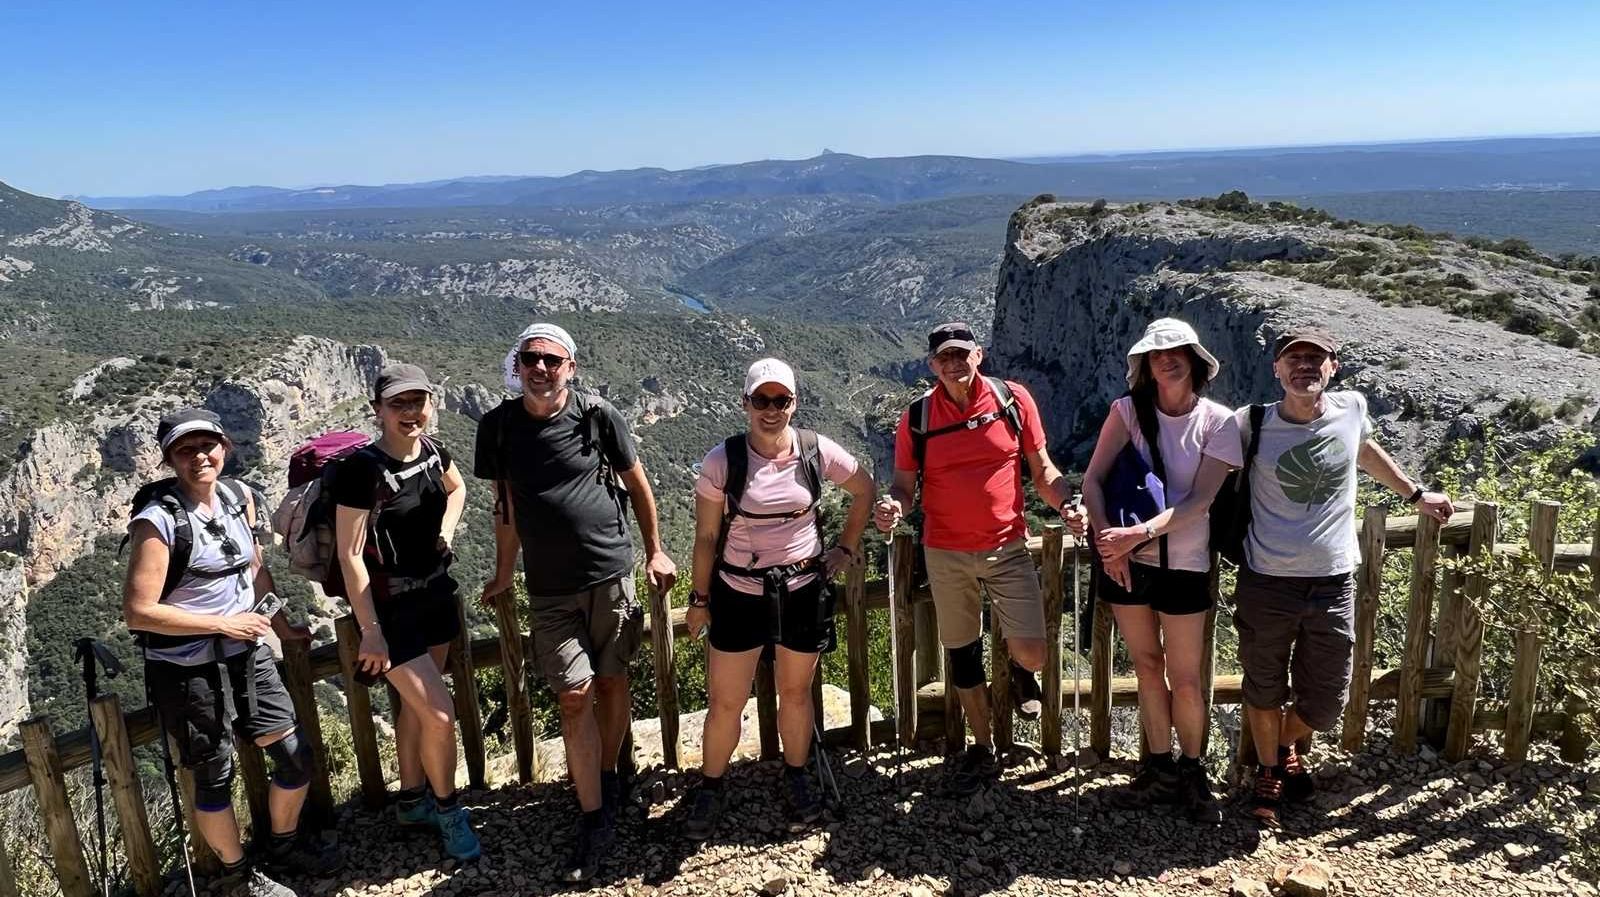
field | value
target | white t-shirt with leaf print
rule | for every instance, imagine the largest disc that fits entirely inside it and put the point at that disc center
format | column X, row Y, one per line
column 1303, row 489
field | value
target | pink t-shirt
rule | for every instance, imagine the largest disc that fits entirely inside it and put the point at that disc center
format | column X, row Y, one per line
column 774, row 485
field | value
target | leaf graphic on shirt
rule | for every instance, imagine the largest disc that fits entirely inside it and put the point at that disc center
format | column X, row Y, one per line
column 1312, row 472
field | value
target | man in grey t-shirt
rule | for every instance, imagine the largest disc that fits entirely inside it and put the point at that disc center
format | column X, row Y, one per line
column 1296, row 592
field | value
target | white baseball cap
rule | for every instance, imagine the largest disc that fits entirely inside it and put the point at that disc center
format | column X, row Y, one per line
column 769, row 370
column 1169, row 333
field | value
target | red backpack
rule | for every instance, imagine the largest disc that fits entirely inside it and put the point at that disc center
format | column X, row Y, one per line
column 305, row 516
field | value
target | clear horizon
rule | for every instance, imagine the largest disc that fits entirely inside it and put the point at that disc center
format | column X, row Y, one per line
column 118, row 101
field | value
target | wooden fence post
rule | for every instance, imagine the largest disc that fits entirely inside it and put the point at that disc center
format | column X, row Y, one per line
column 8, row 878
column 767, row 709
column 363, row 733
column 50, row 787
column 202, row 857
column 298, row 683
column 511, row 666
column 464, row 690
column 1101, row 643
column 666, row 676
column 1442, row 651
column 1208, row 652
column 928, row 654
column 1575, row 742
column 1050, row 568
column 1369, row 588
column 1419, row 617
column 116, row 752
column 999, row 688
column 902, row 557
column 858, row 655
column 253, row 770
column 1469, row 634
column 1525, row 669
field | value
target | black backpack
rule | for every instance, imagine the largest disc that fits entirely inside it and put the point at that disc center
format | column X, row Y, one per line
column 236, row 497
column 736, row 450
column 596, row 430
column 1009, row 411
column 1230, row 510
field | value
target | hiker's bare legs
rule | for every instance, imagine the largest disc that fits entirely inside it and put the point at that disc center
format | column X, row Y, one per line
column 612, row 714
column 1141, row 629
column 1184, row 642
column 1266, row 723
column 728, row 678
column 283, row 804
column 425, row 737
column 793, row 672
column 221, row 830
column 1294, row 728
column 975, row 703
column 580, row 735
column 1027, row 653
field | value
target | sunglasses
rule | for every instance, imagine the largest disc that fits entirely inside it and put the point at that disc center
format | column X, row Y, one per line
column 761, row 403
column 952, row 355
column 532, row 359
column 194, row 447
column 214, row 529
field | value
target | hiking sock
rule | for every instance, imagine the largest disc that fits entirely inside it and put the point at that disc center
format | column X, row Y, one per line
column 281, row 844
column 448, row 802
column 593, row 819
column 793, row 771
column 235, row 868
column 410, row 797
column 711, row 783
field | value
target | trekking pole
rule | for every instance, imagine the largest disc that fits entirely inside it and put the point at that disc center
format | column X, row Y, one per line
column 92, row 654
column 1077, row 722
column 177, row 804
column 825, row 776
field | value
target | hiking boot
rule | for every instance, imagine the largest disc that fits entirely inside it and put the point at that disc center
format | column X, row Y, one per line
column 1198, row 801
column 302, row 854
column 976, row 768
column 251, row 882
column 1156, row 783
column 801, row 806
column 705, row 808
column 1266, row 797
column 416, row 815
column 455, row 830
column 593, row 844
column 1298, row 785
column 1026, row 697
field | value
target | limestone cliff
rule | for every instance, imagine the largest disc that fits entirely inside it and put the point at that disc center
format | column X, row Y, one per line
column 1076, row 289
column 13, row 645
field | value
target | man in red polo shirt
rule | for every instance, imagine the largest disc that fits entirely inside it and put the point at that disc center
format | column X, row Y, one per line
column 966, row 441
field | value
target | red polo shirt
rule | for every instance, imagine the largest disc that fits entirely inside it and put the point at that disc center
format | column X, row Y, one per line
column 971, row 492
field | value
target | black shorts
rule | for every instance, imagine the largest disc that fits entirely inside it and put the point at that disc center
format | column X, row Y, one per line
column 1173, row 592
column 187, row 699
column 415, row 621
column 741, row 622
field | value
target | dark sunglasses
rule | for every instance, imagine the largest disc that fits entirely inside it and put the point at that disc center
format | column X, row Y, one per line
column 532, row 359
column 950, row 355
column 214, row 530
column 761, row 403
column 194, row 447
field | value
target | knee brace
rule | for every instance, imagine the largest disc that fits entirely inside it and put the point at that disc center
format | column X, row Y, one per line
column 966, row 664
column 291, row 761
column 213, row 784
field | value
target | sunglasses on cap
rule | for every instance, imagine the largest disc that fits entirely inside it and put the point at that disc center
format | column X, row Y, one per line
column 761, row 403
column 532, row 359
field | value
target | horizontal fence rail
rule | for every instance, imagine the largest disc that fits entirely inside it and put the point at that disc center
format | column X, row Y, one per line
column 1436, row 686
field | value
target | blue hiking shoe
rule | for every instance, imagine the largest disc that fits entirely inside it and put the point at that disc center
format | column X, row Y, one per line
column 456, row 829
column 415, row 815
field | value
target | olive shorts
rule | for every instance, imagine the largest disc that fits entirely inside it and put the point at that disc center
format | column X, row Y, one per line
column 1297, row 637
column 595, row 632
column 959, row 578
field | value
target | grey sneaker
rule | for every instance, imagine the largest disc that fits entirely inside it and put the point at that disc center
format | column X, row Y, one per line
column 976, row 768
column 251, row 882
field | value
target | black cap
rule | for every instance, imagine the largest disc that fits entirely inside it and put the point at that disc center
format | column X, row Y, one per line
column 398, row 378
column 955, row 334
column 184, row 421
column 1319, row 338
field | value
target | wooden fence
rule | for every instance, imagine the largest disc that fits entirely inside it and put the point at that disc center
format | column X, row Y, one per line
column 1436, row 685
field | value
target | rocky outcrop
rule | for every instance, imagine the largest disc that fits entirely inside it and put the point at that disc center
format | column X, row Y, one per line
column 76, row 476
column 13, row 645
column 1076, row 290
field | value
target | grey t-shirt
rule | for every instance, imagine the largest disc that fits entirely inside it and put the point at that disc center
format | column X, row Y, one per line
column 220, row 596
column 1303, row 489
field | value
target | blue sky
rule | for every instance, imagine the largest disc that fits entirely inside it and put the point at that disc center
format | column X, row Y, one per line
column 119, row 98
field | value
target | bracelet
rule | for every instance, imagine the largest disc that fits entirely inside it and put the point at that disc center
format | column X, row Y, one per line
column 1149, row 532
column 698, row 600
column 1415, row 496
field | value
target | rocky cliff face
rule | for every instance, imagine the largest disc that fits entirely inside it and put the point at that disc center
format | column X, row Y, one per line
column 13, row 645
column 1075, row 291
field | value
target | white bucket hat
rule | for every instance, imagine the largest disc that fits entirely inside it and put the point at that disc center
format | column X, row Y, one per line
column 1169, row 333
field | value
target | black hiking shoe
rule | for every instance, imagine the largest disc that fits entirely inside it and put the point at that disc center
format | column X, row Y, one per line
column 976, row 768
column 705, row 810
column 1266, row 796
column 248, row 881
column 801, row 806
column 1198, row 801
column 593, row 845
column 1026, row 697
column 1298, row 786
column 1156, row 783
column 610, row 794
column 302, row 854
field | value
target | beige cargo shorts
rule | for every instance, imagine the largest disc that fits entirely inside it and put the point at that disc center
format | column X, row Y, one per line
column 959, row 579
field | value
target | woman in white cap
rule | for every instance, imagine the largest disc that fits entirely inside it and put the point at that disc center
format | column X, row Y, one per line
column 1154, row 563
column 761, row 580
column 397, row 504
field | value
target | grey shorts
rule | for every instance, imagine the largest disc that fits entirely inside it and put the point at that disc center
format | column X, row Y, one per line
column 959, row 578
column 595, row 632
column 1297, row 639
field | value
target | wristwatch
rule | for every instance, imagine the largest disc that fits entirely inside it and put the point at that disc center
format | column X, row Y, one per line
column 698, row 600
column 1149, row 532
column 1415, row 496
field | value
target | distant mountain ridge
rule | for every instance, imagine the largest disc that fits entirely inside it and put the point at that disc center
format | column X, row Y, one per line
column 1498, row 164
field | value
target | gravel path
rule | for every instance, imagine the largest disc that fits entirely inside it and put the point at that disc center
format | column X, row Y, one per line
column 1382, row 826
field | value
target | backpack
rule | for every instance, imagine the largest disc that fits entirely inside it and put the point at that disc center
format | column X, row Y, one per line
column 1135, row 491
column 1230, row 510
column 305, row 517
column 236, row 502
column 1009, row 410
column 736, row 450
column 596, row 428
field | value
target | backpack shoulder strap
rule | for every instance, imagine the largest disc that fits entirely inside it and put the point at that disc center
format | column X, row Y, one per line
column 917, row 416
column 164, row 493
column 1144, row 407
column 498, row 414
column 1258, row 415
column 810, row 462
column 733, row 449
column 1009, row 406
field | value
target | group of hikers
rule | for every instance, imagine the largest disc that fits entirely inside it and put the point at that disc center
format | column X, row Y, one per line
column 565, row 473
